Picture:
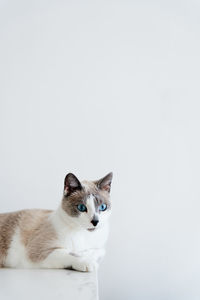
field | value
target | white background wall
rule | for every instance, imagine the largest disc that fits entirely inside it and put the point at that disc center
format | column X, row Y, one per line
column 96, row 86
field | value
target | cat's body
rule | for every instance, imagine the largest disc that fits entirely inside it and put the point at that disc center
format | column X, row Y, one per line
column 73, row 236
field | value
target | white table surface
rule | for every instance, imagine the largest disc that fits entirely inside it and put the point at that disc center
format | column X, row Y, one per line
column 47, row 284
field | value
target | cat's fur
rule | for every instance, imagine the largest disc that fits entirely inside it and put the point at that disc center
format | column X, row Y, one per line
column 64, row 238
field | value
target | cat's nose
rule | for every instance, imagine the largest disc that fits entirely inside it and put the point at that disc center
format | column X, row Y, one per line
column 95, row 222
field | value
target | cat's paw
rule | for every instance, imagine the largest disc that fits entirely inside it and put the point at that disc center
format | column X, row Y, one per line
column 85, row 265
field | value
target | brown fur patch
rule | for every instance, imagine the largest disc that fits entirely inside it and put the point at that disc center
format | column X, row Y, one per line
column 37, row 233
column 8, row 224
column 70, row 203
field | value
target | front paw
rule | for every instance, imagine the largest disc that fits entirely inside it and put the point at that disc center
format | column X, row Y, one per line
column 84, row 265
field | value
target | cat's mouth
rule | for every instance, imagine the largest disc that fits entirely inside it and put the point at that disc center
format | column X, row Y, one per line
column 91, row 229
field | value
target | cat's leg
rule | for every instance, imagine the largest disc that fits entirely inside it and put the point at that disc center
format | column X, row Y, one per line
column 60, row 258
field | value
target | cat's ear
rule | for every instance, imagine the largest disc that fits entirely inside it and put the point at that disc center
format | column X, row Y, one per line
column 105, row 182
column 71, row 184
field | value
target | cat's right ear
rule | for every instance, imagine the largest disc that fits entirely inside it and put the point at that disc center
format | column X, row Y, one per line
column 105, row 182
column 71, row 184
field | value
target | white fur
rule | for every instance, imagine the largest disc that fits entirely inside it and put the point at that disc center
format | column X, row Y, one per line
column 17, row 257
column 90, row 206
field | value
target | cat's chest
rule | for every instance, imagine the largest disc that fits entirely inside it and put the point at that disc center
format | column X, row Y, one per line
column 74, row 241
column 81, row 241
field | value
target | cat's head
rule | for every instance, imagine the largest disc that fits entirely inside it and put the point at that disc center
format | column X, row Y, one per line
column 87, row 202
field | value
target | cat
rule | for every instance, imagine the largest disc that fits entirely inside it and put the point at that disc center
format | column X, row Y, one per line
column 73, row 236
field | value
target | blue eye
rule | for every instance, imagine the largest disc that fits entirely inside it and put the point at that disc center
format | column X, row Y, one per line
column 82, row 207
column 102, row 207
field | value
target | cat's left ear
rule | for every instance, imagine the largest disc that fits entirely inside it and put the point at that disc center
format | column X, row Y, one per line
column 71, row 184
column 105, row 182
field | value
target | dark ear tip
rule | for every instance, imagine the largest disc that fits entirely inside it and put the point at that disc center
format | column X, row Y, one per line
column 69, row 175
column 110, row 175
